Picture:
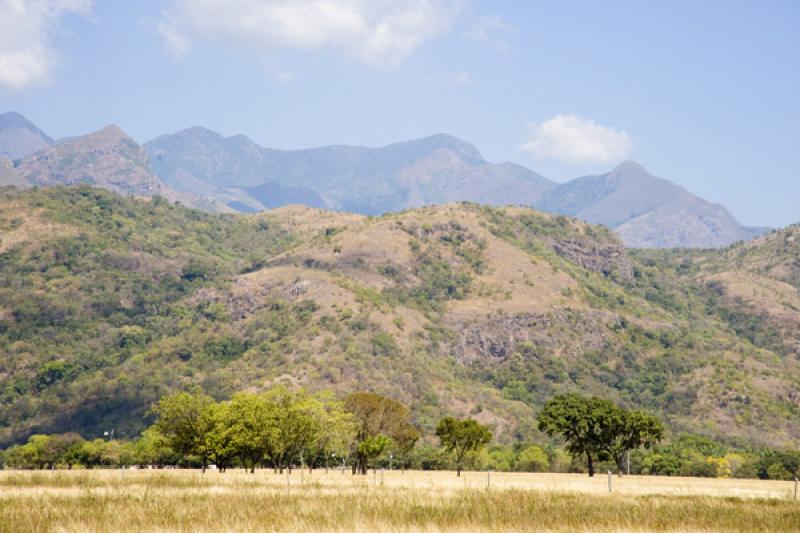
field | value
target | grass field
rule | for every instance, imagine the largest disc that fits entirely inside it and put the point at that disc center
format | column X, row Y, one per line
column 173, row 500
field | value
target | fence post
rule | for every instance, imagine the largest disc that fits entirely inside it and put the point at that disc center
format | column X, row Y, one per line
column 381, row 477
column 488, row 479
column 609, row 481
column 795, row 488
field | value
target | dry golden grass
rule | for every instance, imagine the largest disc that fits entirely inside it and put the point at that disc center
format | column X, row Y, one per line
column 114, row 500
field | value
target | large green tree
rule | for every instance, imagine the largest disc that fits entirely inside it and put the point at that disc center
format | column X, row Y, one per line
column 186, row 420
column 461, row 436
column 244, row 428
column 597, row 428
column 378, row 422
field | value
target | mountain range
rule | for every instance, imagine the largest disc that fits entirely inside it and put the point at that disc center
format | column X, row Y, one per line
column 203, row 169
column 432, row 170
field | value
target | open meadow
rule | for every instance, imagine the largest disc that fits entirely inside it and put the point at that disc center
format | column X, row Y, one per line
column 184, row 500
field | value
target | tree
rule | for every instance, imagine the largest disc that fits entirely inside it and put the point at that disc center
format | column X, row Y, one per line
column 335, row 427
column 243, row 427
column 533, row 459
column 462, row 436
column 296, row 426
column 598, row 428
column 375, row 417
column 185, row 420
column 152, row 449
column 577, row 420
column 624, row 431
column 403, row 442
column 92, row 453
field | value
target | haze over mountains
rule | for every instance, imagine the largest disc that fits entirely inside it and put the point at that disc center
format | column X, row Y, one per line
column 433, row 170
column 206, row 170
column 19, row 137
column 645, row 211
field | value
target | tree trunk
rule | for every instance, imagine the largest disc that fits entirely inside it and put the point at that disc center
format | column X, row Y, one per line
column 620, row 461
column 590, row 464
column 458, row 471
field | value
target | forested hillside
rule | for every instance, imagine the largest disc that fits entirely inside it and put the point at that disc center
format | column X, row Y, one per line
column 108, row 303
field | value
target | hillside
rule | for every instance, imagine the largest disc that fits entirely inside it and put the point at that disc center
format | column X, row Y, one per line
column 755, row 287
column 433, row 170
column 645, row 211
column 106, row 303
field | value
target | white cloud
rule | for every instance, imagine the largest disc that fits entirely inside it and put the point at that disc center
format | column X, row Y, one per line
column 176, row 42
column 26, row 57
column 574, row 140
column 483, row 29
column 284, row 77
column 381, row 33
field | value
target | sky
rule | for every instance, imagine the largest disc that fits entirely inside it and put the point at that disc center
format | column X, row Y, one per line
column 706, row 94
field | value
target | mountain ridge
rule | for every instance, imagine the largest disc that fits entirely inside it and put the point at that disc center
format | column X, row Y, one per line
column 355, row 178
column 646, row 211
column 207, row 170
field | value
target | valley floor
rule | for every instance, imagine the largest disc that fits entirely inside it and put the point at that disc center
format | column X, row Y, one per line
column 175, row 500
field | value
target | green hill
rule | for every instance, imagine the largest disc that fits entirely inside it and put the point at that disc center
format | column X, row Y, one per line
column 107, row 303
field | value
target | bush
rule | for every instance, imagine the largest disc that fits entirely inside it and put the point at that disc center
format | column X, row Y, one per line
column 532, row 459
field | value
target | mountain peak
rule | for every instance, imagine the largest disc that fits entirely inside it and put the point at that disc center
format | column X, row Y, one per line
column 19, row 137
column 199, row 131
column 629, row 168
column 111, row 131
column 440, row 141
column 12, row 118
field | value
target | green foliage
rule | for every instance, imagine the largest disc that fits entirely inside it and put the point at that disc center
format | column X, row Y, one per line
column 186, row 420
column 107, row 288
column 597, row 428
column 533, row 459
column 384, row 344
column 378, row 421
column 461, row 436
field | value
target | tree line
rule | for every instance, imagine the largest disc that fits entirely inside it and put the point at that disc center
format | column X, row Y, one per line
column 284, row 429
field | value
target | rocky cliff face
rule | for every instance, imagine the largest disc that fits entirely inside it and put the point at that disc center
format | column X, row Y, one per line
column 533, row 335
column 606, row 260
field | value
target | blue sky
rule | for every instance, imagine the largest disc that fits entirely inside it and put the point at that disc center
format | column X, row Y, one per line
column 706, row 94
